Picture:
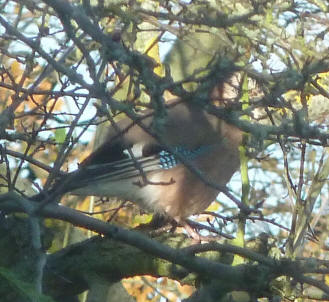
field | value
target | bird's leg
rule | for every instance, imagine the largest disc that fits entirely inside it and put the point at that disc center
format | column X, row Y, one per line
column 191, row 231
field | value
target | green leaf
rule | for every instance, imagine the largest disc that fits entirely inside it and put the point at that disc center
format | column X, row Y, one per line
column 60, row 135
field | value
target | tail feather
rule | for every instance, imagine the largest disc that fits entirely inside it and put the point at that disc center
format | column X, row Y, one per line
column 106, row 173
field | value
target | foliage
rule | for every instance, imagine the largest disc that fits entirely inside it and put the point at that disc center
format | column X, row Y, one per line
column 69, row 66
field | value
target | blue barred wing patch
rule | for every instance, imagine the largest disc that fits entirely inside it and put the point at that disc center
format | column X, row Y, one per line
column 169, row 160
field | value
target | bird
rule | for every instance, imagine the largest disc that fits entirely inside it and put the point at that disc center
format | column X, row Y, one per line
column 159, row 172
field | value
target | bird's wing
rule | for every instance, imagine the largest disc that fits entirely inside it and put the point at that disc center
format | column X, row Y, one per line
column 125, row 169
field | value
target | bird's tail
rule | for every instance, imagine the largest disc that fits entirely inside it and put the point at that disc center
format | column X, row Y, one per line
column 87, row 176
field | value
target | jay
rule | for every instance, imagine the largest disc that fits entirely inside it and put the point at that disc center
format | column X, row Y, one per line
column 133, row 165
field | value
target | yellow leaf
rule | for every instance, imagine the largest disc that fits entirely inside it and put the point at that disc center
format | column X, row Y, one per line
column 152, row 50
column 326, row 278
column 16, row 70
column 214, row 206
column 141, row 219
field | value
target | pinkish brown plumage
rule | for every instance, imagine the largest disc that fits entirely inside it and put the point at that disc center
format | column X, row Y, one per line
column 209, row 144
